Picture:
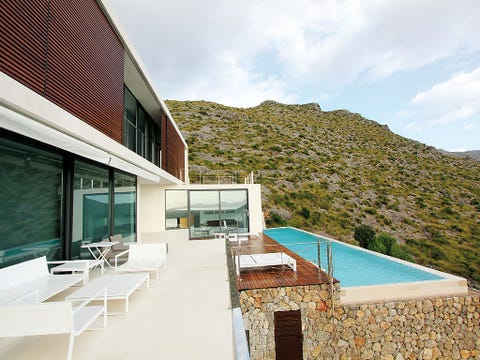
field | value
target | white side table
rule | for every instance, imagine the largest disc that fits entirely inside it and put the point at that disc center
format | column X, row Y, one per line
column 76, row 267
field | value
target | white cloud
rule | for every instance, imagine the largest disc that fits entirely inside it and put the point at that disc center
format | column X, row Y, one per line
column 243, row 52
column 455, row 99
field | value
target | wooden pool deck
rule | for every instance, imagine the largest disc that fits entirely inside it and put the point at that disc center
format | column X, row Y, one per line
column 268, row 277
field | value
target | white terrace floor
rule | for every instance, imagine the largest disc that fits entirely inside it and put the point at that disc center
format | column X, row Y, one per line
column 183, row 315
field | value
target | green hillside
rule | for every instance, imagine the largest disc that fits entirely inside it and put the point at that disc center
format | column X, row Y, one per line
column 329, row 172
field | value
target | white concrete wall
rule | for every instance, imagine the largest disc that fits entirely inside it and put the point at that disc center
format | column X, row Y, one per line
column 151, row 209
column 151, row 206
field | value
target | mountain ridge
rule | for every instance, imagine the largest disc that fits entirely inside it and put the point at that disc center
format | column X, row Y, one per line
column 330, row 171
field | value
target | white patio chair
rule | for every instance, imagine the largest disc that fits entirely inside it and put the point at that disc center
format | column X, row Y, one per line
column 25, row 316
column 143, row 257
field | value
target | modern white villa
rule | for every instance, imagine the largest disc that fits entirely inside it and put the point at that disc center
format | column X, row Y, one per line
column 89, row 153
column 88, row 149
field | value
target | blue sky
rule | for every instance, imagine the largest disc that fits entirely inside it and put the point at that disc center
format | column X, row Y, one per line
column 412, row 65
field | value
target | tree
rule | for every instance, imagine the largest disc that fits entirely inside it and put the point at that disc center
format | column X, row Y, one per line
column 364, row 235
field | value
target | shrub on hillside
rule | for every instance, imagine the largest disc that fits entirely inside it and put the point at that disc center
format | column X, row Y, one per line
column 386, row 244
column 276, row 220
column 364, row 235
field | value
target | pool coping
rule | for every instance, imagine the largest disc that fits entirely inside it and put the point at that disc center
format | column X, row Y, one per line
column 449, row 285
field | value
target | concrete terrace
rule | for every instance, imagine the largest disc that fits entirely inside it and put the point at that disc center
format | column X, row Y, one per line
column 185, row 314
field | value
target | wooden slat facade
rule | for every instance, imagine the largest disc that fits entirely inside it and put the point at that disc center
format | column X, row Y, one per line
column 67, row 52
column 23, row 41
column 173, row 150
column 263, row 278
column 85, row 65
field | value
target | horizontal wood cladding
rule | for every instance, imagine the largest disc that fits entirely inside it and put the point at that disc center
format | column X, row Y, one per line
column 23, row 41
column 175, row 153
column 67, row 52
column 173, row 150
column 85, row 62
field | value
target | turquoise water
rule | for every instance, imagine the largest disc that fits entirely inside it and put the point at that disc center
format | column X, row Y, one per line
column 352, row 266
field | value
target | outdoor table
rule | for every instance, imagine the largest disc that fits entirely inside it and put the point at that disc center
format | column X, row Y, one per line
column 76, row 267
column 102, row 247
column 119, row 287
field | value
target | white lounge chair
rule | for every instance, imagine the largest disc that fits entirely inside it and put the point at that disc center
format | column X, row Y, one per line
column 143, row 257
column 265, row 260
column 25, row 316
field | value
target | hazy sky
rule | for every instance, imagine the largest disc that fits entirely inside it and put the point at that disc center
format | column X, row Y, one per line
column 411, row 64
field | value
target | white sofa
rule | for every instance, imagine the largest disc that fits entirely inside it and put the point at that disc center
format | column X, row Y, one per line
column 33, row 276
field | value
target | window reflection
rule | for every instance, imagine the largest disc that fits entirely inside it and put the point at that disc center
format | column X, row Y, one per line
column 212, row 211
column 31, row 203
column 204, row 213
column 234, row 211
column 125, row 206
column 176, row 209
column 91, row 204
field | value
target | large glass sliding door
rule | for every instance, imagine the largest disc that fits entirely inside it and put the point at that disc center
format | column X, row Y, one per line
column 91, row 206
column 234, row 210
column 212, row 211
column 176, row 209
column 124, row 210
column 51, row 202
column 204, row 213
column 30, row 203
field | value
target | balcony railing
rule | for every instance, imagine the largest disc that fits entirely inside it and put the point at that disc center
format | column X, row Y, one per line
column 221, row 177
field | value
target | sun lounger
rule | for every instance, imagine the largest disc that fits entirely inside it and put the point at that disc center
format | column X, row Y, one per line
column 265, row 260
column 143, row 258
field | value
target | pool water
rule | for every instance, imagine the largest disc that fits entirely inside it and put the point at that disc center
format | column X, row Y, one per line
column 353, row 266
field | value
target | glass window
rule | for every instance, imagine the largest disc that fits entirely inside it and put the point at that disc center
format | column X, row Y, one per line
column 141, row 132
column 91, row 206
column 125, row 206
column 204, row 213
column 31, row 203
column 130, row 113
column 234, row 210
column 176, row 213
column 141, row 122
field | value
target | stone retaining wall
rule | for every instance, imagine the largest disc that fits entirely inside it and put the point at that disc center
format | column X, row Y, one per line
column 443, row 328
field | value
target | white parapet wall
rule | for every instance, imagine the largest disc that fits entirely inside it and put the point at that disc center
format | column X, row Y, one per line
column 415, row 290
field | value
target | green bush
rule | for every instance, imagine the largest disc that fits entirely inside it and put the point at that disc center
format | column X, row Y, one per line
column 364, row 235
column 305, row 213
column 276, row 220
column 389, row 243
column 377, row 245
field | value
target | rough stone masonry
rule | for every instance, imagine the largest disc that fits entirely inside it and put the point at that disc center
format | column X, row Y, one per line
column 434, row 328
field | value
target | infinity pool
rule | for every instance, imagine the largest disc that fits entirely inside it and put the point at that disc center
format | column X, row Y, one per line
column 353, row 266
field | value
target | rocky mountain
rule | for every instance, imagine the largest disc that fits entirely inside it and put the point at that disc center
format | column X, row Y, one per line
column 471, row 154
column 329, row 172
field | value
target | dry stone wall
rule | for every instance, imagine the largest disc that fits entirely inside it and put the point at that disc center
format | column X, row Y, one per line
column 440, row 328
